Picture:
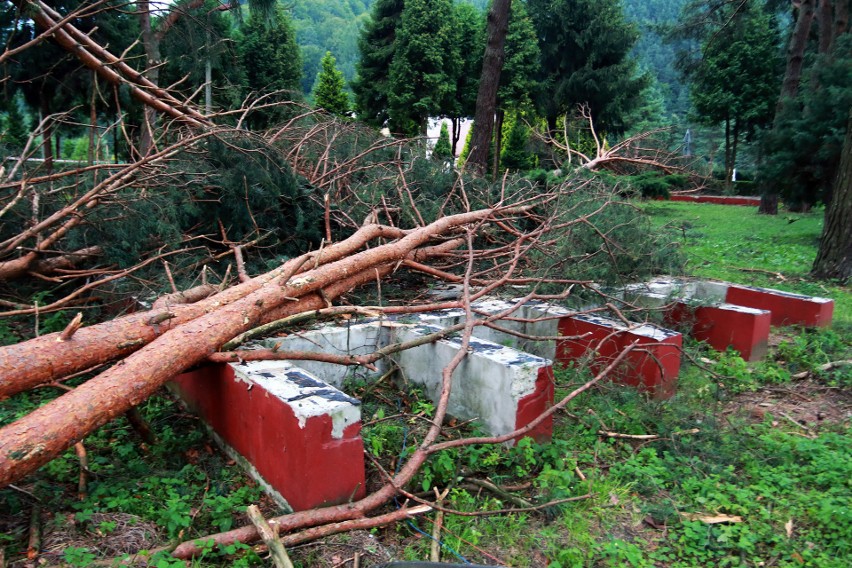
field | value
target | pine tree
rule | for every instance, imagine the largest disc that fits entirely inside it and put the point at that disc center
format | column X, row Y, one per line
column 15, row 130
column 735, row 83
column 522, row 65
column 515, row 155
column 585, row 56
column 377, row 47
column 424, row 66
column 270, row 62
column 442, row 150
column 519, row 79
column 329, row 93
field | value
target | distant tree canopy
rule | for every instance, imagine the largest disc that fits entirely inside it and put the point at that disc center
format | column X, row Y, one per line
column 377, row 48
column 202, row 37
column 658, row 54
column 328, row 25
column 426, row 62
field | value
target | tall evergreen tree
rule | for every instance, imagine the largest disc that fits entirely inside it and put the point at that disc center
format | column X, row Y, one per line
column 270, row 61
column 519, row 80
column 377, row 46
column 424, row 66
column 14, row 128
column 515, row 155
column 329, row 93
column 198, row 50
column 442, row 150
column 802, row 152
column 585, row 56
column 736, row 82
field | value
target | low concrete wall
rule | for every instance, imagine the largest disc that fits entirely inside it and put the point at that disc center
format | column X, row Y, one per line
column 726, row 325
column 787, row 308
column 653, row 367
column 502, row 387
column 719, row 199
column 299, row 437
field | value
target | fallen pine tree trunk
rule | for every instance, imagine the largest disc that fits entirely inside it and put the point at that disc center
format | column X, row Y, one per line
column 26, row 365
column 42, row 435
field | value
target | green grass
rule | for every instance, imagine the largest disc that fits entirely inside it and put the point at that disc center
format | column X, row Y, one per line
column 722, row 240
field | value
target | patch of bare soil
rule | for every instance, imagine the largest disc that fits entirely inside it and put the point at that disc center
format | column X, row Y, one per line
column 807, row 404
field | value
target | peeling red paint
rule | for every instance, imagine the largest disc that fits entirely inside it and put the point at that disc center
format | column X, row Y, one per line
column 654, row 368
column 718, row 199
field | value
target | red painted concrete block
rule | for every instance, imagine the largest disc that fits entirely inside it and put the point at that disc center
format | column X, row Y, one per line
column 654, row 366
column 726, row 325
column 534, row 404
column 300, row 435
column 787, row 308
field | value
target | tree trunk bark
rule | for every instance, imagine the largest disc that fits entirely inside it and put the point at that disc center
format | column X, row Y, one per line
column 826, row 25
column 32, row 441
column 93, row 121
column 796, row 51
column 841, row 18
column 735, row 140
column 728, row 161
column 456, row 124
column 834, row 259
column 486, row 98
column 47, row 135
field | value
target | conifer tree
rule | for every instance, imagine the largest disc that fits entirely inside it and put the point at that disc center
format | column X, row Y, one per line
column 424, row 67
column 377, row 47
column 329, row 93
column 14, row 129
column 515, row 156
column 469, row 31
column 735, row 83
column 270, row 61
column 442, row 150
column 585, row 57
column 519, row 79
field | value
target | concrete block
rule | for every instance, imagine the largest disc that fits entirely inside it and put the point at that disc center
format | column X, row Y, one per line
column 299, row 437
column 500, row 386
column 787, row 308
column 726, row 325
column 653, row 366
